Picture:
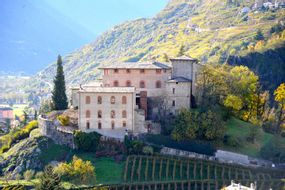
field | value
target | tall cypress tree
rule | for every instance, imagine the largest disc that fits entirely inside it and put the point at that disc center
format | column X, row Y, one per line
column 59, row 97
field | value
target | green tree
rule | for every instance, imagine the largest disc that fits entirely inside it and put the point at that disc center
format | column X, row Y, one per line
column 36, row 115
column 59, row 97
column 280, row 98
column 259, row 35
column 233, row 102
column 165, row 57
column 49, row 180
column 181, row 51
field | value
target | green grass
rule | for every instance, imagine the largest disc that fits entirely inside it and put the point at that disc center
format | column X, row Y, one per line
column 241, row 129
column 106, row 169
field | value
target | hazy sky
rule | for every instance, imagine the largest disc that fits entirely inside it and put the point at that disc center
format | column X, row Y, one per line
column 99, row 15
column 34, row 32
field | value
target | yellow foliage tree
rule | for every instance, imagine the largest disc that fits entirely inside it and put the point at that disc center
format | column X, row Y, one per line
column 279, row 94
column 78, row 169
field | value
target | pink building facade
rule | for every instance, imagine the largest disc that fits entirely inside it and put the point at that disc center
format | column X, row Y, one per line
column 6, row 113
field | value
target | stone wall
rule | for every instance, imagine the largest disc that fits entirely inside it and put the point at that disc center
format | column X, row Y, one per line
column 60, row 135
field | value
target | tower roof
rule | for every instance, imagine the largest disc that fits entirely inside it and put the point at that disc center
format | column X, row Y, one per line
column 183, row 58
column 136, row 65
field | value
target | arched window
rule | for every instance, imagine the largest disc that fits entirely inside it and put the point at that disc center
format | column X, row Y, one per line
column 88, row 114
column 99, row 125
column 87, row 100
column 113, row 100
column 116, row 83
column 124, row 100
column 113, row 125
column 113, row 114
column 124, row 114
column 124, row 124
column 87, row 125
column 128, row 83
column 99, row 114
column 158, row 84
column 99, row 100
column 142, row 84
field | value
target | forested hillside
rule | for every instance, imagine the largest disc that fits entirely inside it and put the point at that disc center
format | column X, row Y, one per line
column 211, row 30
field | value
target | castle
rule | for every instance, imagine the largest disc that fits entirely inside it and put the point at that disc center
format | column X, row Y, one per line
column 130, row 96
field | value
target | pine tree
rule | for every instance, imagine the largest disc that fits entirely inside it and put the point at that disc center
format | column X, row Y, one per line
column 165, row 57
column 49, row 180
column 181, row 51
column 36, row 115
column 59, row 97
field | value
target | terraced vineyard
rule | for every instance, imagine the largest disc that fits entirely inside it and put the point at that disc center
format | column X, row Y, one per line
column 167, row 173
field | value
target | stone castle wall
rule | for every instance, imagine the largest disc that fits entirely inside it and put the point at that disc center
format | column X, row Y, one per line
column 59, row 135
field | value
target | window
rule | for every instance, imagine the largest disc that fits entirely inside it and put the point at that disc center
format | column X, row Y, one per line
column 105, row 71
column 113, row 114
column 128, row 71
column 88, row 114
column 124, row 114
column 124, row 124
column 116, row 71
column 87, row 100
column 124, row 100
column 142, row 84
column 128, row 83
column 99, row 125
column 173, row 90
column 116, row 83
column 173, row 103
column 99, row 114
column 164, row 70
column 87, row 125
column 142, row 71
column 99, row 100
column 113, row 125
column 158, row 71
column 158, row 84
column 113, row 100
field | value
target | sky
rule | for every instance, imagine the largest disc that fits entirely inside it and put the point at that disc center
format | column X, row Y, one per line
column 99, row 15
column 34, row 32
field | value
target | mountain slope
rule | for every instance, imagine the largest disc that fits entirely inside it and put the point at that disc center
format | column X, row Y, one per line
column 211, row 31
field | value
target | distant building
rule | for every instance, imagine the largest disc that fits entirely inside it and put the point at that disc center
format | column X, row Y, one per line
column 238, row 186
column 6, row 113
column 130, row 95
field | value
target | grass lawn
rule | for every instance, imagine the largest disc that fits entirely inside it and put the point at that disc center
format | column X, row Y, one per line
column 107, row 170
column 241, row 130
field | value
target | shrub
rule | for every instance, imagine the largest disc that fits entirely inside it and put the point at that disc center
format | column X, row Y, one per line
column 232, row 141
column 49, row 180
column 18, row 177
column 63, row 120
column 29, row 174
column 39, row 175
column 148, row 150
column 86, row 141
column 77, row 171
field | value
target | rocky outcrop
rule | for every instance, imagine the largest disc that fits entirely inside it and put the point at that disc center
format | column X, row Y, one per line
column 23, row 156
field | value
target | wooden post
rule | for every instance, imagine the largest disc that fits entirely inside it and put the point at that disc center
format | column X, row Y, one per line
column 194, row 170
column 174, row 168
column 167, row 169
column 126, row 169
column 188, row 170
column 139, row 169
column 181, row 167
column 146, row 170
column 133, row 169
column 153, row 167
column 208, row 172
column 160, row 168
column 201, row 170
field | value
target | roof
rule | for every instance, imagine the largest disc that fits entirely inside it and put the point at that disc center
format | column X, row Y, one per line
column 137, row 65
column 183, row 58
column 96, row 89
column 179, row 79
column 5, row 109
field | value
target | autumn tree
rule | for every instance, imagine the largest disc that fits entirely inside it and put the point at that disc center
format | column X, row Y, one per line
column 59, row 97
column 279, row 94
